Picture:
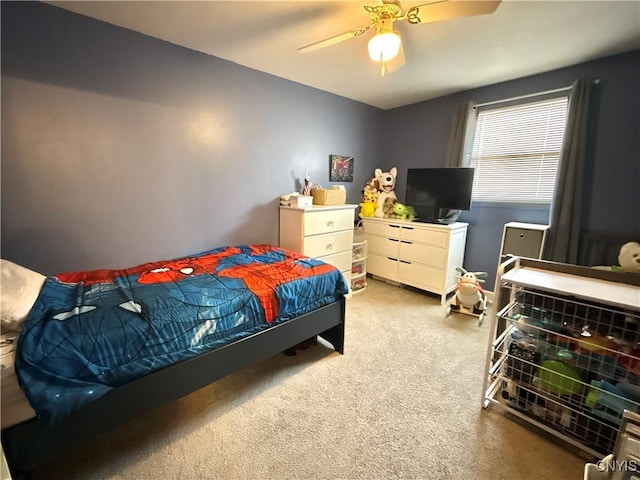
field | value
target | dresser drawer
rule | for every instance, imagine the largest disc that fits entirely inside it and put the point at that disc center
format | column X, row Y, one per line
column 384, row 229
column 383, row 245
column 321, row 245
column 421, row 276
column 426, row 254
column 424, row 235
column 315, row 223
column 342, row 260
column 382, row 266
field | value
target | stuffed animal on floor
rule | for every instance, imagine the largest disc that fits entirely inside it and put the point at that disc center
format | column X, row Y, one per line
column 387, row 208
column 403, row 212
column 368, row 205
column 386, row 184
column 469, row 292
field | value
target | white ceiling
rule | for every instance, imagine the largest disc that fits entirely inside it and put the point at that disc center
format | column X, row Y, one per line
column 520, row 38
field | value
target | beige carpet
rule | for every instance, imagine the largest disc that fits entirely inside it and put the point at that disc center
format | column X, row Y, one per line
column 403, row 402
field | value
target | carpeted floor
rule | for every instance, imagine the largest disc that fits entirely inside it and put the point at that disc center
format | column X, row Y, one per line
column 403, row 402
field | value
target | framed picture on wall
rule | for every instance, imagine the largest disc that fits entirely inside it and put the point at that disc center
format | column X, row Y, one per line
column 340, row 168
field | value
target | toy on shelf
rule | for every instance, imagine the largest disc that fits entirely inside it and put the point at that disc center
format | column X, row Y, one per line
column 628, row 259
column 609, row 401
column 469, row 297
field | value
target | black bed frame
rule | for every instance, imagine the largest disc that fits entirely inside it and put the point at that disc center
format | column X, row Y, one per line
column 31, row 443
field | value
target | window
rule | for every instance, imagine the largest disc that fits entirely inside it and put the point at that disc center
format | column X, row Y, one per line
column 516, row 151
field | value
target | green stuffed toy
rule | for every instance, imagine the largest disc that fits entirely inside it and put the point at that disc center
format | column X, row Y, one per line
column 404, row 212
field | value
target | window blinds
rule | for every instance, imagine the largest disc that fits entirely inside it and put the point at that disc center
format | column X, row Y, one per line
column 516, row 151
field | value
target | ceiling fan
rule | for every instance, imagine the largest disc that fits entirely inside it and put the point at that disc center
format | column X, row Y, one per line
column 386, row 45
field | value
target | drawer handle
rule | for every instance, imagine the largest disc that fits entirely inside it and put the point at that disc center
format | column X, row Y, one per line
column 330, row 246
column 394, row 226
column 404, row 241
column 408, row 228
column 404, row 261
column 330, row 223
column 393, row 239
column 392, row 259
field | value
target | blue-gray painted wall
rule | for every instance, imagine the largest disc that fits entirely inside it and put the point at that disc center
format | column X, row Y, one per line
column 118, row 148
column 417, row 136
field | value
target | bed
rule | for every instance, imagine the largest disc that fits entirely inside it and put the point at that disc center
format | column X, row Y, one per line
column 95, row 349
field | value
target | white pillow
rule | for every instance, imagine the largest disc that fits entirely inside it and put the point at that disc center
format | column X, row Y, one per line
column 19, row 289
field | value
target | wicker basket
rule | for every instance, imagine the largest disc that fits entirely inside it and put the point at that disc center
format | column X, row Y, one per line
column 328, row 197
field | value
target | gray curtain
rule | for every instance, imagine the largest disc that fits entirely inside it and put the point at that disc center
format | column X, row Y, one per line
column 460, row 145
column 566, row 209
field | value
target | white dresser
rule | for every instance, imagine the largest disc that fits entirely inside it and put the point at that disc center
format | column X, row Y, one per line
column 421, row 255
column 324, row 232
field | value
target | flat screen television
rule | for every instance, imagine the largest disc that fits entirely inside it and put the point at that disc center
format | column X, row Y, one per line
column 438, row 195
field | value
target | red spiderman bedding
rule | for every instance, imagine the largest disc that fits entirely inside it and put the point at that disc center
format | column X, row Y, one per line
column 92, row 331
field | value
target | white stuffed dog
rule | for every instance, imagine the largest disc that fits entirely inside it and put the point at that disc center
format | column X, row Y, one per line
column 386, row 184
column 629, row 257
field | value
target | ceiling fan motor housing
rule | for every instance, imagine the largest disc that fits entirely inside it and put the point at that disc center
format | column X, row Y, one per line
column 391, row 8
column 387, row 12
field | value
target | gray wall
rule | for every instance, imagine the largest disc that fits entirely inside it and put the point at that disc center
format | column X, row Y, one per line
column 418, row 136
column 118, row 148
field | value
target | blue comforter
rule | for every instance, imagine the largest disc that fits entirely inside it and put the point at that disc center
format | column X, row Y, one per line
column 92, row 331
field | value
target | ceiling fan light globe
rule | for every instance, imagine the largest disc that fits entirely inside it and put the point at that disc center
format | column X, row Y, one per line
column 384, row 46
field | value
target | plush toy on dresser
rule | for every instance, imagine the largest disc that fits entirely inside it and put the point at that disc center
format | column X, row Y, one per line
column 368, row 205
column 403, row 212
column 372, row 187
column 387, row 208
column 386, row 184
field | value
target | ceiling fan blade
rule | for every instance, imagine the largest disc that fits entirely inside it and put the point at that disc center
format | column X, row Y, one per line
column 448, row 9
column 335, row 39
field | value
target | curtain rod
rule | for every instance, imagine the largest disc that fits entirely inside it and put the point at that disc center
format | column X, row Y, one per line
column 521, row 97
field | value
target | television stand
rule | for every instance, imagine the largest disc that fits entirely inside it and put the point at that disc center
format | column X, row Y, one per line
column 440, row 216
column 422, row 255
column 435, row 221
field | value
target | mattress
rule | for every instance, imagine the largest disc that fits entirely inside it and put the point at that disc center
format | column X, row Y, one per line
column 15, row 407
